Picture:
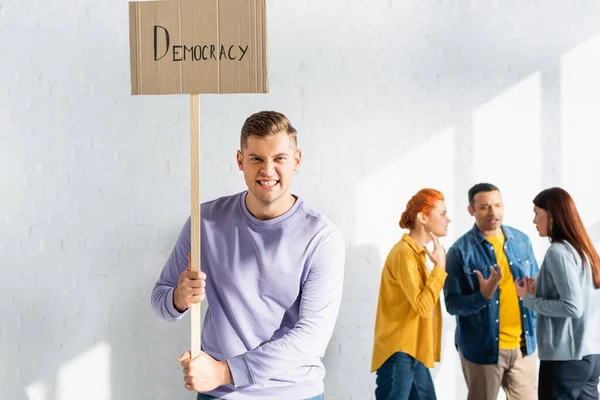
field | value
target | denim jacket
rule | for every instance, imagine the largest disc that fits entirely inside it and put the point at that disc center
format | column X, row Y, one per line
column 477, row 319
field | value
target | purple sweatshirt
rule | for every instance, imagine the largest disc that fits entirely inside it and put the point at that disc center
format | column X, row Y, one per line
column 273, row 289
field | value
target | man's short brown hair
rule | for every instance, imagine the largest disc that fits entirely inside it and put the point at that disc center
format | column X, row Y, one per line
column 264, row 124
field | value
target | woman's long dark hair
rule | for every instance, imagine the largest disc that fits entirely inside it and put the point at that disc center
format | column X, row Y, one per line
column 565, row 225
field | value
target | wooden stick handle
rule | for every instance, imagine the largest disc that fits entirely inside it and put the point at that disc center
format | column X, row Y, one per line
column 195, row 174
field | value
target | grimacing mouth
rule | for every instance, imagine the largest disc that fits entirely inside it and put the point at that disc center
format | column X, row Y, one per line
column 274, row 182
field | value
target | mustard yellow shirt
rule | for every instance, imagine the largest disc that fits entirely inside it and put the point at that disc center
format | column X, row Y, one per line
column 510, row 312
column 409, row 315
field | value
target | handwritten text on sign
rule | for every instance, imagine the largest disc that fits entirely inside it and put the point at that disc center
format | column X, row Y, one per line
column 196, row 52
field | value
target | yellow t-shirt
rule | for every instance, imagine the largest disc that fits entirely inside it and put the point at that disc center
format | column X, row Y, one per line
column 510, row 312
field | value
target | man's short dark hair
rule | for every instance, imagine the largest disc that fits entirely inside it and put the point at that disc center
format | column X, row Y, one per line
column 480, row 188
column 264, row 124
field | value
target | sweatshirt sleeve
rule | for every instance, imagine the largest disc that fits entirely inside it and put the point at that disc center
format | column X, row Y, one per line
column 319, row 305
column 563, row 270
column 162, row 294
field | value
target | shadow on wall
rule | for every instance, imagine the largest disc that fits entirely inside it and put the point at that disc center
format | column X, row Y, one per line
column 107, row 344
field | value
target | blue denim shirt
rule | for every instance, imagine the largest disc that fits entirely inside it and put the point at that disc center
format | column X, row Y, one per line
column 477, row 326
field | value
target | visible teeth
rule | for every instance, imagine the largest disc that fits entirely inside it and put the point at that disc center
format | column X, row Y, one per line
column 268, row 183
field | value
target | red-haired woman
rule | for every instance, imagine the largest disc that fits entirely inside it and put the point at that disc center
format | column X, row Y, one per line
column 567, row 303
column 408, row 328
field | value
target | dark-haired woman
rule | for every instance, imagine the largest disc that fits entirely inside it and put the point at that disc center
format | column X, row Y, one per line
column 565, row 297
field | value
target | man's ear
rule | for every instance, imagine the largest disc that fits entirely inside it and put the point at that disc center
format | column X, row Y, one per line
column 471, row 211
column 297, row 159
column 240, row 160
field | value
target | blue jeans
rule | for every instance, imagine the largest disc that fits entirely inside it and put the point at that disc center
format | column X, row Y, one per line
column 402, row 377
column 207, row 397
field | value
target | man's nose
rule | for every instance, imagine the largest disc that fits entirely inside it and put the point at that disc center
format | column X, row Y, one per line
column 268, row 167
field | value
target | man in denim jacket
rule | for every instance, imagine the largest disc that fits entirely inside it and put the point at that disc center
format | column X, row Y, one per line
column 495, row 334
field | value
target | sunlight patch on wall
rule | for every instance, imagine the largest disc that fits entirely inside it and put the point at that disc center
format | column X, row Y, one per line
column 580, row 114
column 448, row 378
column 87, row 376
column 508, row 150
column 37, row 391
column 381, row 197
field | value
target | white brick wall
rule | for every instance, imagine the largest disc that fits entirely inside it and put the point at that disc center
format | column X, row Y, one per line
column 388, row 97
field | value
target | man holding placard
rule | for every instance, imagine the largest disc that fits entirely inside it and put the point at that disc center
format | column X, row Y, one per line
column 272, row 273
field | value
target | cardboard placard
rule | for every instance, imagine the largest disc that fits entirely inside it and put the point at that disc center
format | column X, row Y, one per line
column 198, row 46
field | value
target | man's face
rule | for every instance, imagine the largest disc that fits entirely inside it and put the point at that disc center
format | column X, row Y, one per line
column 488, row 210
column 269, row 164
